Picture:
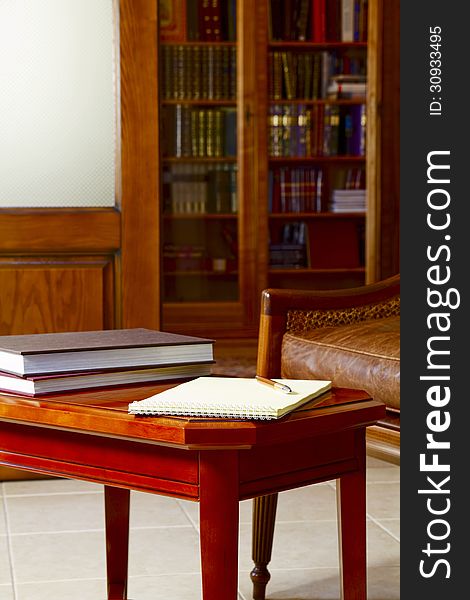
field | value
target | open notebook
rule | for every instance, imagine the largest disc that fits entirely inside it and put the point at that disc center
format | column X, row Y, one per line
column 230, row 397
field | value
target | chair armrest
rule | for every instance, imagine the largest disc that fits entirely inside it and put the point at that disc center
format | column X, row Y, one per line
column 277, row 301
column 280, row 310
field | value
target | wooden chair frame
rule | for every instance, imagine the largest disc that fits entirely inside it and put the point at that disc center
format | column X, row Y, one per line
column 324, row 308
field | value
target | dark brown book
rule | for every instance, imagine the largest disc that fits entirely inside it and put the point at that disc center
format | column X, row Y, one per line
column 302, row 19
column 216, row 20
column 47, row 353
column 210, row 19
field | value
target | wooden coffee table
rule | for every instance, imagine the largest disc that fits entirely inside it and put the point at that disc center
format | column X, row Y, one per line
column 91, row 436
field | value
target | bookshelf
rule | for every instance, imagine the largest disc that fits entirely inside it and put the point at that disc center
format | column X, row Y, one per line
column 316, row 102
column 270, row 133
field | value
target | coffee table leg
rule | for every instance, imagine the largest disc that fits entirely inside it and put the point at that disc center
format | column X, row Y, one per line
column 351, row 504
column 117, row 540
column 264, row 518
column 218, row 510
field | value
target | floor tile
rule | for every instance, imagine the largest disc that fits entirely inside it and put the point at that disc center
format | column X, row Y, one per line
column 314, row 544
column 163, row 587
column 246, row 511
column 310, row 503
column 3, row 525
column 150, row 510
column 383, row 475
column 372, row 463
column 49, row 486
column 6, row 592
column 382, row 549
column 63, row 590
column 299, row 584
column 57, row 556
column 191, row 509
column 324, row 584
column 383, row 583
column 5, row 572
column 297, row 545
column 164, row 551
column 383, row 500
column 391, row 525
column 85, row 511
column 55, row 512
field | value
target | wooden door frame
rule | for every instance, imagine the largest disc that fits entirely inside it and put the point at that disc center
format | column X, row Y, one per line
column 139, row 194
column 373, row 143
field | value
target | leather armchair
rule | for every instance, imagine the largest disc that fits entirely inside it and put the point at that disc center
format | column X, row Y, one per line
column 350, row 336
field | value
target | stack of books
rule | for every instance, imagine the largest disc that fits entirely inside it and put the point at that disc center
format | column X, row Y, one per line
column 57, row 362
column 348, row 86
column 348, row 201
column 292, row 251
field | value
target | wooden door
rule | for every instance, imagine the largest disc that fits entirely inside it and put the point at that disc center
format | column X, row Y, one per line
column 70, row 269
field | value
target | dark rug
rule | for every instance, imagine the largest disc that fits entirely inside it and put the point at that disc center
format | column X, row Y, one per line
column 240, row 367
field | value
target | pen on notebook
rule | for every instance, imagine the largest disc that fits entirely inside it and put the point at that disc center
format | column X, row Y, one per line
column 278, row 386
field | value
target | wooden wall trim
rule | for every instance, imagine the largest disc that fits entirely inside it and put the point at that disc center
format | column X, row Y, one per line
column 67, row 230
column 252, row 158
column 390, row 142
column 373, row 144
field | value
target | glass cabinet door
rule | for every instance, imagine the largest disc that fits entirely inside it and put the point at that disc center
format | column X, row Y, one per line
column 198, row 128
column 316, row 142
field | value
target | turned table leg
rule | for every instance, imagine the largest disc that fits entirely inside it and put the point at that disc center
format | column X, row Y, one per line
column 351, row 504
column 264, row 517
column 117, row 501
column 218, row 509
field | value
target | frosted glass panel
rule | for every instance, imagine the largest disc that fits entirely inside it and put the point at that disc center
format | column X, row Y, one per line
column 57, row 103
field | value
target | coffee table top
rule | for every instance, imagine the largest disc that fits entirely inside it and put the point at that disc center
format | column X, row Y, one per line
column 104, row 412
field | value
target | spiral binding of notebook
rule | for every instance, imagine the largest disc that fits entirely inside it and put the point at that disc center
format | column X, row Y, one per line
column 229, row 398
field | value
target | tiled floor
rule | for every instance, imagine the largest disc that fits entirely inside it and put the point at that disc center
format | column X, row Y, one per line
column 52, row 543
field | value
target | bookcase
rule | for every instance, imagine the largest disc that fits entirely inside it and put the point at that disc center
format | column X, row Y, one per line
column 269, row 169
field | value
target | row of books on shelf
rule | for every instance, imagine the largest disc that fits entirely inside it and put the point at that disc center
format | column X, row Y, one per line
column 57, row 362
column 298, row 189
column 190, row 131
column 195, row 257
column 318, row 20
column 196, row 188
column 312, row 75
column 198, row 20
column 199, row 72
column 301, row 245
column 301, row 189
column 320, row 130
